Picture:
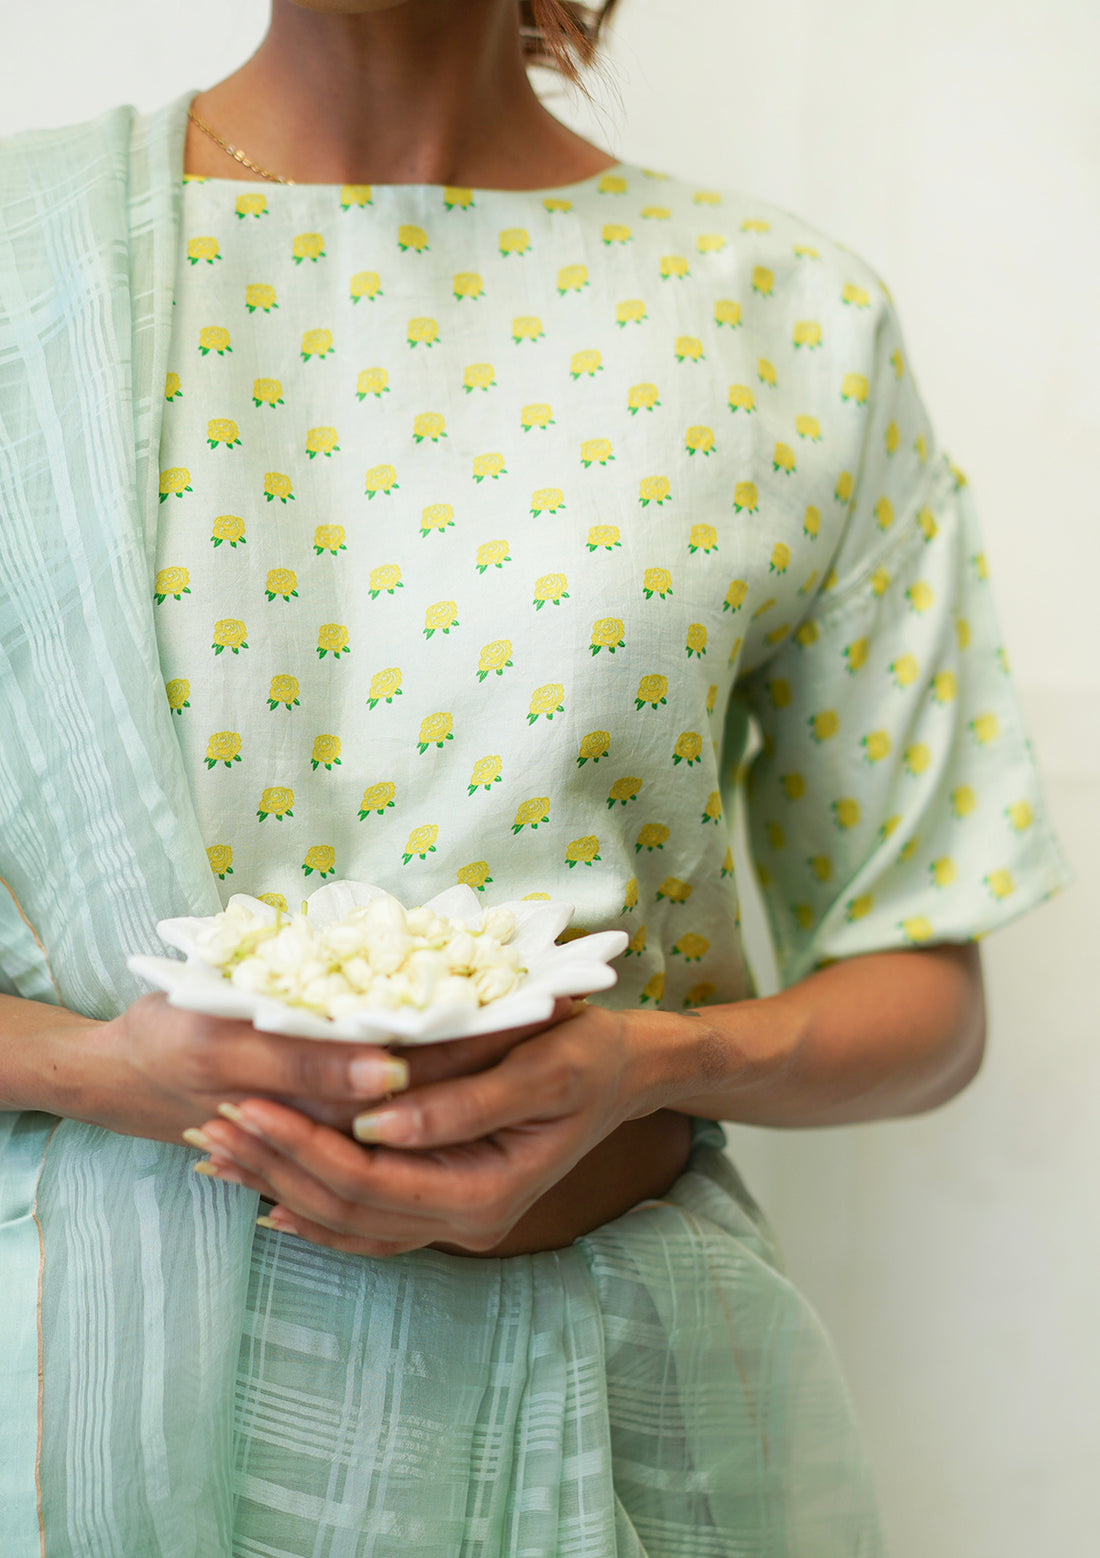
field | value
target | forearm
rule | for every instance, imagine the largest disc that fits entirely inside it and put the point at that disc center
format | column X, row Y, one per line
column 33, row 1071
column 872, row 1037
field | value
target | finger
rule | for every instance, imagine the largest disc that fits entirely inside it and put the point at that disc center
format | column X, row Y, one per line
column 459, row 1057
column 281, row 1220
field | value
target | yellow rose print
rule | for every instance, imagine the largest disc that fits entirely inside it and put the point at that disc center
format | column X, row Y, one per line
column 486, row 773
column 595, row 745
column 492, row 554
column 927, row 522
column 203, row 249
column 380, row 478
column 551, row 587
column 622, row 792
column 220, row 857
column 779, row 691
column 741, row 398
column 727, row 312
column 530, row 813
column 735, row 595
column 712, row 811
column 429, row 424
column 437, row 516
column 222, row 430
column 475, row 875
column 538, row 414
column 703, row 538
column 846, row 813
column 317, row 343
column 421, row 841
column 904, row 670
column 326, row 749
column 468, row 284
column 805, row 251
column 435, row 729
column 548, row 700
column 855, row 387
column 978, row 563
column 811, row 523
column 688, row 748
column 824, row 725
column 276, row 900
column 583, row 363
column 944, row 686
column 920, row 444
column 376, row 798
column 612, row 184
column 857, row 297
column 917, row 929
column 875, row 746
column 689, row 349
column 178, row 691
column 807, row 333
column 228, row 527
column 491, row 465
column 920, row 597
column 267, row 392
column 214, row 338
column 673, row 890
column 657, row 213
column 172, row 388
column 781, row 556
column 615, row 232
column 821, row 866
column 889, row 827
column 763, row 281
column 525, row 327
column 654, row 489
column 984, row 729
column 229, row 633
column 674, row 266
column 745, row 498
column 355, row 195
column 700, row 993
column 605, row 536
column 783, row 459
column 479, row 375
column 278, row 485
column 793, row 786
column 707, row 197
column 765, row 372
column 652, row 689
column 224, row 746
column 1020, row 815
column 322, row 440
column 582, row 851
column 176, row 479
column 457, row 198
column 699, row 440
column 651, row 836
column 514, row 240
column 332, row 639
column 710, row 243
column 422, row 331
column 858, row 908
column 281, row 581
column 258, row 294
column 547, row 500
column 804, row 589
column 808, row 427
column 917, row 758
column 365, row 284
column 691, row 947
column 372, row 381
column 251, row 205
column 696, row 640
column 892, row 437
column 442, row 615
column 654, row 990
column 385, row 684
column 329, row 538
column 656, row 581
column 386, row 578
column 630, row 312
column 284, row 690
column 630, row 897
column 806, row 634
column 641, row 397
column 735, row 649
column 308, row 246
column 596, row 451
column 942, row 871
column 845, row 485
column 572, row 278
column 171, row 581
column 607, row 633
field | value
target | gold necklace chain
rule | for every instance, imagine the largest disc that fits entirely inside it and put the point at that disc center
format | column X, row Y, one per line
column 236, row 153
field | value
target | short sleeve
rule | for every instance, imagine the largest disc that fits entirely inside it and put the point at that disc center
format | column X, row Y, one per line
column 895, row 799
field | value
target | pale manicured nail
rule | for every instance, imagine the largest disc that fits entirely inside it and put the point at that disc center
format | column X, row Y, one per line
column 269, row 1222
column 238, row 1117
column 196, row 1138
column 373, row 1077
column 372, row 1127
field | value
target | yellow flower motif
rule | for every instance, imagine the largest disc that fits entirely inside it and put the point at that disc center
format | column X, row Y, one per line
column 530, row 813
column 808, row 427
column 492, row 554
column 372, row 381
column 710, row 243
column 615, row 232
column 308, row 246
column 376, row 798
column 654, row 989
column 696, row 639
column 741, row 398
column 276, row 900
column 804, row 251
column 765, row 372
column 422, row 331
column 525, row 327
column 917, row 928
column 442, row 614
column 855, row 387
column 486, row 772
column 596, row 451
column 652, row 689
column 385, row 684
column 856, row 296
column 251, row 205
column 884, row 513
column 229, row 633
column 707, row 197
column 917, row 757
column 514, row 240
column 171, row 581
column 824, row 725
column 429, row 424
column 642, row 397
column 656, row 581
column 172, row 388
column 326, row 749
column 582, row 851
column 963, row 801
column 984, row 728
column 321, row 440
column 763, row 281
column 457, row 197
column 607, row 633
column 267, row 392
column 783, row 459
column 699, row 440
column 943, row 871
column 745, row 497
column 712, row 811
column 674, row 265
column 437, row 516
column 332, row 639
column 550, row 587
column 689, row 744
column 611, row 184
column 927, row 522
column 654, row 489
column 365, row 284
column 421, row 841
column 889, row 827
column 316, row 343
column 475, row 875
column 858, row 908
column 178, row 691
column 329, row 538
column 258, row 294
column 793, row 786
column 478, row 375
column 380, row 478
column 606, row 536
column 549, row 699
column 779, row 691
column 220, row 857
column 1020, row 815
column 700, row 993
column 703, row 538
column 355, row 195
column 904, row 670
column 538, row 414
column 674, row 890
column 920, row 596
column 821, row 866
column 595, row 745
column 571, row 278
column 735, row 595
column 944, row 686
column 691, row 947
column 214, row 338
column 224, row 746
column 228, row 527
column 488, row 465
column 623, row 791
column 807, row 333
column 203, row 249
column 688, row 349
column 656, row 213
column 880, row 581
column 277, row 485
column 876, row 745
column 846, row 813
column 780, row 558
column 727, row 312
column 468, row 284
column 892, row 437
column 630, row 311
column 276, row 801
column 586, row 362
column 547, row 500
column 176, row 479
column 807, row 634
column 811, row 523
column 387, row 577
column 281, row 581
column 435, row 729
column 630, row 895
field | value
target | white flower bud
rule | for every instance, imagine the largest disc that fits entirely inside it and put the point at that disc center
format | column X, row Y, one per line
column 358, row 973
column 387, row 948
column 344, row 940
column 417, row 921
column 218, row 942
column 487, row 952
column 385, row 912
column 491, row 983
column 460, row 951
column 500, row 923
column 319, row 991
column 453, row 990
column 251, row 974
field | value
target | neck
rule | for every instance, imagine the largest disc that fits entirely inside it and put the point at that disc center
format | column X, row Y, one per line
column 427, row 92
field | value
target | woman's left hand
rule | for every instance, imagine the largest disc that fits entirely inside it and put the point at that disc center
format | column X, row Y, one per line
column 457, row 1161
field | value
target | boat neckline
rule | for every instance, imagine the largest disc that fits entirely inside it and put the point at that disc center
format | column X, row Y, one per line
column 251, row 185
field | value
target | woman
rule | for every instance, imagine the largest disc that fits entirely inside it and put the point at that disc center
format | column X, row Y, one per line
column 641, row 461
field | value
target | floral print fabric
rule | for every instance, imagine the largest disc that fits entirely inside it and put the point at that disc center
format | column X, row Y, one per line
column 490, row 520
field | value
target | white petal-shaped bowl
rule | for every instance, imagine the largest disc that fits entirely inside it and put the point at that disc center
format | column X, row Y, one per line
column 580, row 967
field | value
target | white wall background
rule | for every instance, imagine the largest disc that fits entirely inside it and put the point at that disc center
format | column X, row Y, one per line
column 956, row 145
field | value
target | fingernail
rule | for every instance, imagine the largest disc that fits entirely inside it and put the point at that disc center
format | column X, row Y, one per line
column 373, row 1127
column 269, row 1222
column 196, row 1138
column 206, row 1167
column 373, row 1077
column 238, row 1117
